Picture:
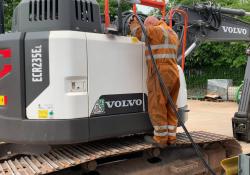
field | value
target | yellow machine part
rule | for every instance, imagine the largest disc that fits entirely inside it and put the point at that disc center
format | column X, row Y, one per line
column 230, row 165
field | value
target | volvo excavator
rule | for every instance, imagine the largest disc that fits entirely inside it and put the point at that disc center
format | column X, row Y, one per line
column 73, row 91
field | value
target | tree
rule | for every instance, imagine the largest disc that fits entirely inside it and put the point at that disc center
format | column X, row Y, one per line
column 113, row 7
column 9, row 6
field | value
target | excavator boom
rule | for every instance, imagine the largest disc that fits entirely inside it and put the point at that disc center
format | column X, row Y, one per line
column 211, row 24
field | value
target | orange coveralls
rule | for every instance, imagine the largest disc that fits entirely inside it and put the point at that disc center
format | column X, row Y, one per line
column 164, row 42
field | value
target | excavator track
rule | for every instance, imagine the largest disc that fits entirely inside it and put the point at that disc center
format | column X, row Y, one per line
column 63, row 157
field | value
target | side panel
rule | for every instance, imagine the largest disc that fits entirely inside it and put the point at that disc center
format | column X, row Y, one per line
column 115, row 66
column 37, row 64
column 12, row 76
column 117, row 83
column 119, row 125
column 66, row 95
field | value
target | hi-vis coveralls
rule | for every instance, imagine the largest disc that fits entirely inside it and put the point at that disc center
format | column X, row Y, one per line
column 164, row 42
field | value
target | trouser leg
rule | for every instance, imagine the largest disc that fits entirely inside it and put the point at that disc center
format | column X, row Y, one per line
column 170, row 75
column 172, row 119
column 157, row 108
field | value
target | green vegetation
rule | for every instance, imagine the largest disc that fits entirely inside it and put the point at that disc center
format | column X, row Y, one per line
column 197, row 78
column 113, row 7
column 9, row 6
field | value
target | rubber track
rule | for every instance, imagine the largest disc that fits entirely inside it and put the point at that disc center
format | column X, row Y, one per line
column 67, row 156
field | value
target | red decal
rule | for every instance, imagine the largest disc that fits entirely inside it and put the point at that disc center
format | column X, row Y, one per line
column 7, row 67
column 6, row 53
column 5, row 100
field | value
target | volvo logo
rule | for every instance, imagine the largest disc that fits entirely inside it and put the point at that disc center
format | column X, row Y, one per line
column 120, row 104
column 234, row 30
column 124, row 103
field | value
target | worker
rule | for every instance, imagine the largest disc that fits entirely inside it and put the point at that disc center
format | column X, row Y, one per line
column 164, row 43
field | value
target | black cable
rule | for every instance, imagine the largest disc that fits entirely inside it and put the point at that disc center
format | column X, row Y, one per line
column 126, row 16
column 211, row 13
column 170, row 100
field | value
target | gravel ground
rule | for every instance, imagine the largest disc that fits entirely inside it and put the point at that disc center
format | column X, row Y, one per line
column 213, row 117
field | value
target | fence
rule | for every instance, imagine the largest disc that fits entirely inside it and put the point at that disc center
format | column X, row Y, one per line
column 197, row 78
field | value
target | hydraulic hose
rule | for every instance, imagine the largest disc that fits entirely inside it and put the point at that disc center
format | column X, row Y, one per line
column 170, row 100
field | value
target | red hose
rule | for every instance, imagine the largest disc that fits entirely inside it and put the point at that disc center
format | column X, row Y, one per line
column 106, row 13
column 134, row 8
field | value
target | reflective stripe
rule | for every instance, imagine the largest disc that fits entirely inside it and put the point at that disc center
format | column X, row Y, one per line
column 160, row 134
column 157, row 128
column 161, row 56
column 172, row 134
column 164, row 46
column 171, row 127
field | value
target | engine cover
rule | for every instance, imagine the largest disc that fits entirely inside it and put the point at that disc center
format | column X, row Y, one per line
column 63, row 87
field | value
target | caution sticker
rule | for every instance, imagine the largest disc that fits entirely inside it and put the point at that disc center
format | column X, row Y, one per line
column 45, row 111
column 3, row 100
column 43, row 114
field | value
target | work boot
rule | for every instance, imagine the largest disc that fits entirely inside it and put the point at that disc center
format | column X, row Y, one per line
column 150, row 140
